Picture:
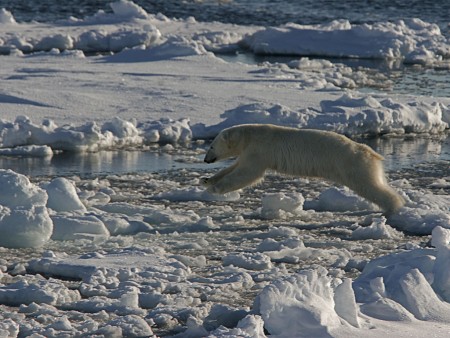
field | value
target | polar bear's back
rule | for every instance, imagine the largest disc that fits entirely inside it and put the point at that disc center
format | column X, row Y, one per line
column 302, row 151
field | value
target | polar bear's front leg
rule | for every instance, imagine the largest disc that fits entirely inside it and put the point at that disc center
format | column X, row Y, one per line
column 240, row 177
column 209, row 181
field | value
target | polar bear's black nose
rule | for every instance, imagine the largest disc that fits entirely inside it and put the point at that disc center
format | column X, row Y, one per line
column 209, row 160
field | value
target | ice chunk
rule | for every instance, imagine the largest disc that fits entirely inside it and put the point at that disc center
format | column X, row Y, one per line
column 422, row 212
column 128, row 9
column 340, row 38
column 304, row 305
column 441, row 283
column 351, row 114
column 70, row 227
column 377, row 230
column 124, row 132
column 341, row 199
column 43, row 291
column 31, row 151
column 249, row 261
column 279, row 205
column 421, row 300
column 18, row 191
column 132, row 326
column 6, row 17
column 386, row 309
column 57, row 41
column 62, row 196
column 24, row 220
column 174, row 47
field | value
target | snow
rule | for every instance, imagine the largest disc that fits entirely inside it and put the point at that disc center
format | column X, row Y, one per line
column 306, row 305
column 413, row 40
column 24, row 218
column 154, row 254
column 276, row 205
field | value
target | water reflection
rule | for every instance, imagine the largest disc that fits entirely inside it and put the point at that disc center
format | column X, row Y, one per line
column 405, row 152
column 398, row 152
column 88, row 164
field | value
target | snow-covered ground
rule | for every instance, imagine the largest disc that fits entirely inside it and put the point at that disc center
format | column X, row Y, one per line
column 143, row 254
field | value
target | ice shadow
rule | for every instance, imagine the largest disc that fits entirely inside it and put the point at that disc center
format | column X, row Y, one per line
column 5, row 98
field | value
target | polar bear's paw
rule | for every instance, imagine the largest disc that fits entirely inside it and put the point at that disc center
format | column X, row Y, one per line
column 216, row 189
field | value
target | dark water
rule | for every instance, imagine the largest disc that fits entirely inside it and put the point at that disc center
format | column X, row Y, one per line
column 247, row 12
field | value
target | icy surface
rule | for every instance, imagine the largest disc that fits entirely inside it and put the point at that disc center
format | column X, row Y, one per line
column 152, row 253
column 413, row 41
column 24, row 219
column 223, row 267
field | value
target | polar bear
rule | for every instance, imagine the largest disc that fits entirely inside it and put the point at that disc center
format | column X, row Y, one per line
column 298, row 152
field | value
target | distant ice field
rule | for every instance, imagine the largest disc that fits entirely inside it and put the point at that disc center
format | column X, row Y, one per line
column 247, row 12
column 405, row 80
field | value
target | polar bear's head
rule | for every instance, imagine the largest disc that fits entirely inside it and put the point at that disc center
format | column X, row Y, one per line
column 225, row 145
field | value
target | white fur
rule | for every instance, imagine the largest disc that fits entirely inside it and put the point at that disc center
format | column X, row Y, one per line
column 299, row 152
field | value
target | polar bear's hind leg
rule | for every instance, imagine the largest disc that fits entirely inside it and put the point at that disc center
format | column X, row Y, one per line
column 369, row 181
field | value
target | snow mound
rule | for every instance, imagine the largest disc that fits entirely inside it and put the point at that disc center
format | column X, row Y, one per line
column 422, row 212
column 413, row 40
column 378, row 229
column 281, row 205
column 71, row 227
column 62, row 196
column 171, row 48
column 24, row 220
column 49, row 292
column 128, row 10
column 369, row 115
column 293, row 250
column 251, row 326
column 249, row 261
column 340, row 199
column 6, row 17
column 408, row 284
column 29, row 151
column 166, row 130
column 308, row 304
column 403, row 286
column 351, row 114
column 23, row 137
column 103, row 32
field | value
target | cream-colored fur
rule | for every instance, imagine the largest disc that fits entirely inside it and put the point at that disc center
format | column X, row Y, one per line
column 299, row 152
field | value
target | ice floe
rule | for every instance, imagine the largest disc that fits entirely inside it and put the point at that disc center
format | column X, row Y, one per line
column 414, row 41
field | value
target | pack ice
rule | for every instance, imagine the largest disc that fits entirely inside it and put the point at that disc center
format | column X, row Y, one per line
column 152, row 254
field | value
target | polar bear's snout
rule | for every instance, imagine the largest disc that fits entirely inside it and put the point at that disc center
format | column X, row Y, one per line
column 210, row 158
